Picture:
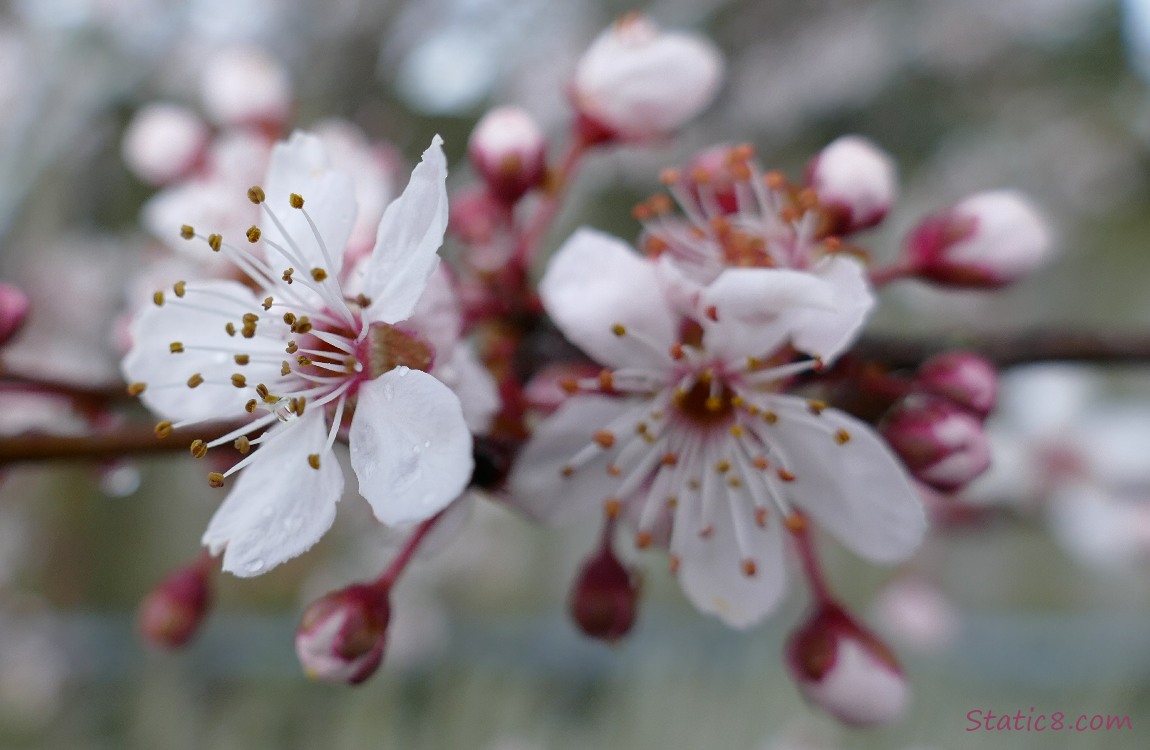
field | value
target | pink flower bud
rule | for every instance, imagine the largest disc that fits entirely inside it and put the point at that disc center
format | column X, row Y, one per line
column 164, row 142
column 14, row 308
column 341, row 636
column 846, row 670
column 173, row 611
column 964, row 378
column 636, row 82
column 987, row 240
column 508, row 150
column 245, row 86
column 941, row 444
column 483, row 223
column 855, row 181
column 604, row 598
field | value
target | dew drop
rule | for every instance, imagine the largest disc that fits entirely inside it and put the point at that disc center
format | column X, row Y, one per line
column 403, row 372
column 254, row 566
column 283, row 411
column 426, row 443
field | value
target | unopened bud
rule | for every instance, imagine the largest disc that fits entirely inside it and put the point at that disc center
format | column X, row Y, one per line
column 14, row 308
column 987, row 240
column 342, row 635
column 941, row 444
column 173, row 611
column 508, row 150
column 604, row 598
column 855, row 181
column 636, row 82
column 846, row 670
column 245, row 86
column 964, row 378
column 163, row 143
column 483, row 224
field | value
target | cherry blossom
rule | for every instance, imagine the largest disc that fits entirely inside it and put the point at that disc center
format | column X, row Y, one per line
column 690, row 437
column 297, row 356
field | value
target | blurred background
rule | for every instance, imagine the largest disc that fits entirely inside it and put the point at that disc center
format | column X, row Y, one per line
column 1032, row 592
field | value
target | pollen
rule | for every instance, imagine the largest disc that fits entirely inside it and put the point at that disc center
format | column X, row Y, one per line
column 723, row 466
column 256, row 194
column 239, row 381
column 292, row 347
column 736, row 430
column 285, row 368
column 761, row 463
column 180, row 288
column 163, row 429
column 606, row 380
column 216, row 479
column 262, row 391
column 135, row 389
column 253, row 234
column 296, row 200
column 195, row 380
column 176, row 347
column 187, row 232
column 298, row 404
column 215, row 242
column 842, row 436
column 605, row 438
column 313, row 461
column 198, row 448
column 613, row 470
column 670, row 459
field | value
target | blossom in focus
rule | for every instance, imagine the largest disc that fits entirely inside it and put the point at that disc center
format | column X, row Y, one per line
column 846, row 670
column 988, row 239
column 295, row 355
column 637, row 82
column 689, row 436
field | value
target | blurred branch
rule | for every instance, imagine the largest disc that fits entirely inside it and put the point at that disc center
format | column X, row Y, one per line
column 133, row 440
column 1011, row 349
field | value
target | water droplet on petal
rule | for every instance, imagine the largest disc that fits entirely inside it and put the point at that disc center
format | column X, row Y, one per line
column 426, row 443
column 403, row 372
column 283, row 410
column 254, row 566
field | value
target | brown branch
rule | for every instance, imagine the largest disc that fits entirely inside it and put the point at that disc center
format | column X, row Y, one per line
column 1011, row 349
column 130, row 440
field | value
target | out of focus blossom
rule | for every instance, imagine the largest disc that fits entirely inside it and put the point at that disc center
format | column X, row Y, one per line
column 637, row 82
column 164, row 142
column 986, row 240
column 917, row 613
column 941, row 444
column 246, row 86
column 509, row 151
column 604, row 598
column 14, row 307
column 172, row 612
column 342, row 635
column 964, row 378
column 856, row 181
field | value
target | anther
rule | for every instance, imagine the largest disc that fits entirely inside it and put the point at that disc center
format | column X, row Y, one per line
column 187, row 232
column 262, row 390
column 770, row 417
column 713, row 403
column 135, row 389
column 298, row 405
column 216, row 479
column 669, row 176
column 842, row 436
column 785, row 475
column 363, row 300
column 253, row 234
column 230, row 328
column 296, row 200
column 604, row 438
column 606, row 380
column 816, row 407
column 215, row 242
column 796, row 523
column 674, row 562
column 250, row 406
column 318, row 274
column 613, row 470
column 163, row 429
column 670, row 459
column 736, row 430
column 158, row 298
column 677, row 351
column 239, row 381
column 712, row 313
column 761, row 463
column 242, row 444
column 723, row 466
column 198, row 448
column 290, row 319
column 256, row 194
column 618, row 330
column 749, row 568
column 287, row 275
column 292, row 347
column 242, row 359
column 176, row 347
column 313, row 460
column 761, row 517
column 267, row 305
column 180, row 288
column 285, row 368
column 567, row 471
column 195, row 380
column 643, row 539
column 612, row 507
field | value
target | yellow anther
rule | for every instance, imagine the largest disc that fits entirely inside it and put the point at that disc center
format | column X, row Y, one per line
column 135, row 389
column 250, row 406
column 198, row 448
column 242, row 359
column 287, row 275
column 713, row 403
column 267, row 305
column 618, row 330
column 253, row 234
column 796, row 523
column 770, row 417
column 285, row 368
column 158, row 298
column 176, row 347
column 298, row 405
column 215, row 242
column 303, row 361
column 239, row 381
column 256, row 194
column 786, row 476
column 231, row 329
column 248, row 331
column 216, row 479
column 187, row 232
column 604, row 438
column 313, row 460
column 643, row 539
column 842, row 436
column 318, row 274
column 262, row 390
column 296, row 200
column 180, row 288
column 749, row 568
column 195, row 380
column 163, row 429
column 242, row 444
column 251, row 318
column 816, row 407
column 723, row 466
column 289, row 318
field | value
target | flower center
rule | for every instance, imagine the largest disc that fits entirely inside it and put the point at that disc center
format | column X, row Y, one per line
column 706, row 404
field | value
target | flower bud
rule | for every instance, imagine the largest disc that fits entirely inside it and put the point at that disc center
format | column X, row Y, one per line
column 604, row 598
column 245, row 86
column 173, row 611
column 163, row 143
column 987, row 240
column 964, row 378
column 846, row 670
column 855, row 181
column 941, row 444
column 14, row 308
column 483, row 223
column 508, row 150
column 636, row 82
column 341, row 636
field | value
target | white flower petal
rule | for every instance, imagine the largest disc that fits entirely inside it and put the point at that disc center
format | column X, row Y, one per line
column 595, row 281
column 410, row 447
column 300, row 165
column 856, row 489
column 537, row 485
column 826, row 333
column 711, row 568
column 280, row 506
column 409, row 235
column 151, row 361
column 472, row 382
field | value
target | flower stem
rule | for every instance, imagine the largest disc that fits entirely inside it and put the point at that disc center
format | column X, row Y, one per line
column 812, row 568
column 385, row 582
column 880, row 277
column 532, row 236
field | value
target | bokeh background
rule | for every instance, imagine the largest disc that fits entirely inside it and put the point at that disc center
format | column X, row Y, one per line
column 1025, row 603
